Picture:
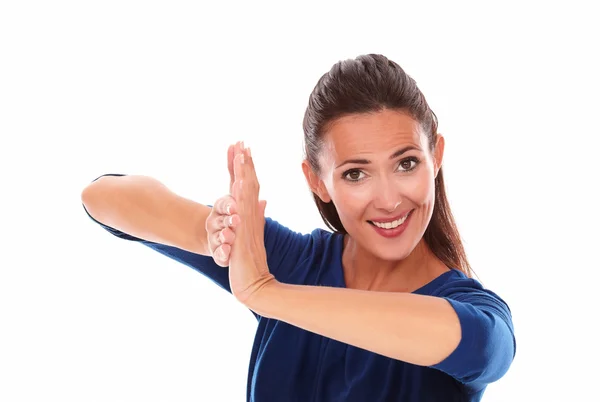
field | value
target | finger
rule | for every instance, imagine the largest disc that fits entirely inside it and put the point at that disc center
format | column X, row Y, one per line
column 239, row 174
column 215, row 224
column 225, row 252
column 251, row 168
column 225, row 205
column 221, row 255
column 222, row 222
column 214, row 242
column 218, row 238
column 249, row 159
column 230, row 155
column 226, row 236
column 250, row 172
column 238, row 165
column 231, row 221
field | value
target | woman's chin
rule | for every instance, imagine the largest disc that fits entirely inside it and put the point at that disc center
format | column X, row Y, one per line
column 390, row 252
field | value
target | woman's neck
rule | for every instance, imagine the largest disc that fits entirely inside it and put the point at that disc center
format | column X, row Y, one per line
column 363, row 270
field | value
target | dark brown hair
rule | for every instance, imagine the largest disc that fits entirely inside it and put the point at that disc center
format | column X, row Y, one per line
column 367, row 84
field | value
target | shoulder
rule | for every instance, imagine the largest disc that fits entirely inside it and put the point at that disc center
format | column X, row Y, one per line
column 488, row 344
column 275, row 230
column 456, row 286
column 281, row 240
column 456, row 282
column 285, row 245
column 302, row 258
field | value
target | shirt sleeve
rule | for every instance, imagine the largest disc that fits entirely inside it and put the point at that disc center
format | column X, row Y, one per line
column 487, row 346
column 282, row 246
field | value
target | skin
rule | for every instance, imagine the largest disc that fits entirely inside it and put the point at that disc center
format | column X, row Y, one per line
column 222, row 220
column 381, row 188
column 417, row 329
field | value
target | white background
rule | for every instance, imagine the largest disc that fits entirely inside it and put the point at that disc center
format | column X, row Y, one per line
column 162, row 88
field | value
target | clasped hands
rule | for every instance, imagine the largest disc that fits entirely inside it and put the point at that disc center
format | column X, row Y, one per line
column 235, row 228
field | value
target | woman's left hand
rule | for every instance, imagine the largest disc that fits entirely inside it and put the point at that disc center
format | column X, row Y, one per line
column 248, row 270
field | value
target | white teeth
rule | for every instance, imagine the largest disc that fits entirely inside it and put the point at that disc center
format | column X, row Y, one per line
column 391, row 225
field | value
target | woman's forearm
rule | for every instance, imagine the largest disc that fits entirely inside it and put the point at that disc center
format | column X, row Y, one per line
column 143, row 207
column 417, row 329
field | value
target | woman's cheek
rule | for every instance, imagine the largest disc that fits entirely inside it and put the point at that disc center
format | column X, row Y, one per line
column 351, row 199
column 418, row 189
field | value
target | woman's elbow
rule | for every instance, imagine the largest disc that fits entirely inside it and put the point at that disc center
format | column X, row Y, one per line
column 494, row 352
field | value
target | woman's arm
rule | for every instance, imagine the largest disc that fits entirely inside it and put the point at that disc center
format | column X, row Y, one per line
column 417, row 329
column 145, row 208
column 463, row 330
column 468, row 335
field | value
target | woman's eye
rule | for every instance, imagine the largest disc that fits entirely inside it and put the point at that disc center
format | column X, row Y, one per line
column 408, row 164
column 353, row 175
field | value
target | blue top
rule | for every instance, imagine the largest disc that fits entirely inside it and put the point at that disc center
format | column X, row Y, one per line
column 291, row 364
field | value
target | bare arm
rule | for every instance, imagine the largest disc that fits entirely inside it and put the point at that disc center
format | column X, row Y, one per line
column 143, row 207
column 461, row 328
column 467, row 335
column 417, row 329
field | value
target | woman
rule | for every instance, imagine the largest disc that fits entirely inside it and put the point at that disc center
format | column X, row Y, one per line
column 382, row 309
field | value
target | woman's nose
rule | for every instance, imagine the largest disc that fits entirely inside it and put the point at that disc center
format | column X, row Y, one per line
column 387, row 197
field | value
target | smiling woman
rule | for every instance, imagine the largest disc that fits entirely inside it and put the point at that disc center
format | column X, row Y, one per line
column 382, row 307
column 376, row 171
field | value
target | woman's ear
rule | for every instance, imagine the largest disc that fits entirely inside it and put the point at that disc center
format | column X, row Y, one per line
column 315, row 183
column 438, row 154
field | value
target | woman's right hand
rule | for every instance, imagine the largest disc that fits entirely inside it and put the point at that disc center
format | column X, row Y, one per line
column 223, row 218
column 221, row 221
column 220, row 229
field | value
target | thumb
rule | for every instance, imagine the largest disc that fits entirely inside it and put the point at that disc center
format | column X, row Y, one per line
column 263, row 205
column 231, row 152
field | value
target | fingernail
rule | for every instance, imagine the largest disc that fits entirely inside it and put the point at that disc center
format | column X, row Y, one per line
column 249, row 152
column 242, row 159
column 228, row 208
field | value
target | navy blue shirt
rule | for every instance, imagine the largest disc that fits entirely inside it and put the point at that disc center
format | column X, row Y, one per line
column 291, row 364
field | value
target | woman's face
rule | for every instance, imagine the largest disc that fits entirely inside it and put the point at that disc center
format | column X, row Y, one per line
column 378, row 171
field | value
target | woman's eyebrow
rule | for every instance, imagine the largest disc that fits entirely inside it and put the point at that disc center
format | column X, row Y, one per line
column 393, row 156
column 403, row 150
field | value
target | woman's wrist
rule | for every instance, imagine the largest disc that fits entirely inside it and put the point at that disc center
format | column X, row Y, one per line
column 265, row 297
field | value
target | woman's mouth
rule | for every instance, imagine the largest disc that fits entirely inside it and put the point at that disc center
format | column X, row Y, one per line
column 391, row 228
